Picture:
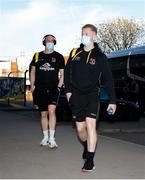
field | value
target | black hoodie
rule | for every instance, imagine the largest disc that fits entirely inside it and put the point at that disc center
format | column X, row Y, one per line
column 86, row 71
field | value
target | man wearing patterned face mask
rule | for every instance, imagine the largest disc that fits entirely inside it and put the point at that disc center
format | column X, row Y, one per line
column 50, row 45
column 86, row 67
column 86, row 40
column 45, row 86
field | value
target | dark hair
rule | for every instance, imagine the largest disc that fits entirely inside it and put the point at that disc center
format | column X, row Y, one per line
column 44, row 38
column 91, row 26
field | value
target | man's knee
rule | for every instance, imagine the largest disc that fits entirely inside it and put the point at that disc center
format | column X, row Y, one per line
column 51, row 111
column 43, row 115
column 91, row 123
column 81, row 128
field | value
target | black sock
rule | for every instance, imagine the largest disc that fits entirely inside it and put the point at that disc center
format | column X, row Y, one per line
column 85, row 149
column 85, row 146
column 89, row 163
column 90, row 156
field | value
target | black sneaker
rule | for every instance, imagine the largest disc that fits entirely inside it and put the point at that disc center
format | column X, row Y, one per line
column 88, row 166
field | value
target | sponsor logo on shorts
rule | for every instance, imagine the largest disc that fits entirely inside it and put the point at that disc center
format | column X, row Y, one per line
column 74, row 117
column 92, row 114
column 54, row 102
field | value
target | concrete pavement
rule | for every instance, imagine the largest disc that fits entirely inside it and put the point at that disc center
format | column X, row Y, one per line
column 105, row 127
column 22, row 157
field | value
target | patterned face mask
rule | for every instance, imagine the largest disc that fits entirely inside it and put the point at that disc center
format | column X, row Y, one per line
column 50, row 45
column 86, row 40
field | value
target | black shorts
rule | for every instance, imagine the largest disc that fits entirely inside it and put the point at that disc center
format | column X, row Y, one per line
column 83, row 106
column 44, row 97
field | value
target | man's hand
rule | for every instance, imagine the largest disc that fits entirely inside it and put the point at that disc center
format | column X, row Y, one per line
column 59, row 89
column 68, row 95
column 113, row 107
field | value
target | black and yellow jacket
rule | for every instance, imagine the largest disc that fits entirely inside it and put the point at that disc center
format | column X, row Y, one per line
column 85, row 71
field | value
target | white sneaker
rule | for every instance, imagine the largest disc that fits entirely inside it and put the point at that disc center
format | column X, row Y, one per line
column 52, row 143
column 44, row 142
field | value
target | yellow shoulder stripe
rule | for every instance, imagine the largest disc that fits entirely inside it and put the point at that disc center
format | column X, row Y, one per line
column 36, row 56
column 76, row 55
column 74, row 52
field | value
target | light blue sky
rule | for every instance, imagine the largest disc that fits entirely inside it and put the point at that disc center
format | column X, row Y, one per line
column 23, row 23
column 128, row 7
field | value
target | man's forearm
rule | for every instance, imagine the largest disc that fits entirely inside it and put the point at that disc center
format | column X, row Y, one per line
column 60, row 82
column 61, row 79
column 32, row 80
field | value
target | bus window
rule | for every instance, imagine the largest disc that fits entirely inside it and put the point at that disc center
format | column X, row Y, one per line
column 119, row 67
column 137, row 65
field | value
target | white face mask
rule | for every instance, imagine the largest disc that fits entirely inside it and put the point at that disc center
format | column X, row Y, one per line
column 86, row 40
column 50, row 45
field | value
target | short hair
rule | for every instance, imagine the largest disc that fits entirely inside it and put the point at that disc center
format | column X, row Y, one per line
column 91, row 26
column 44, row 38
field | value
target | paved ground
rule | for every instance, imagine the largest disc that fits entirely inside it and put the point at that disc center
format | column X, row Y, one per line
column 134, row 137
column 132, row 131
column 125, row 130
column 22, row 157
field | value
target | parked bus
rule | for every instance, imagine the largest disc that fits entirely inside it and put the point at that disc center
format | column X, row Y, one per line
column 128, row 68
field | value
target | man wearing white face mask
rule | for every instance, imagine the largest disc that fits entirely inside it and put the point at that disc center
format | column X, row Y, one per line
column 45, row 69
column 87, row 66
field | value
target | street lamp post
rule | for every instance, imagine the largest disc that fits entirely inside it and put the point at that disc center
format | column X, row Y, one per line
column 25, row 87
column 9, row 87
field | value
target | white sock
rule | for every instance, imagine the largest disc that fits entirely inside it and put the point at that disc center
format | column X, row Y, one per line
column 51, row 134
column 45, row 134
